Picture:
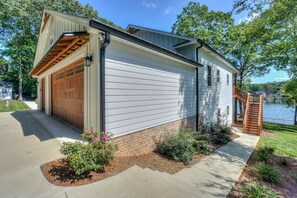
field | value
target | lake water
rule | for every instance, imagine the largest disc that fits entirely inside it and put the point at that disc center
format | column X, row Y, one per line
column 278, row 113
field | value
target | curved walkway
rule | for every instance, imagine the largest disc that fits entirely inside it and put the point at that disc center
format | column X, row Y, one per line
column 28, row 140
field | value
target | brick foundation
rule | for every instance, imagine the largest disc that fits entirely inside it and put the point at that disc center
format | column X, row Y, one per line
column 144, row 141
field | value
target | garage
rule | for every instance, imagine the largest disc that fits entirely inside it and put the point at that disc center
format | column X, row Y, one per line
column 68, row 93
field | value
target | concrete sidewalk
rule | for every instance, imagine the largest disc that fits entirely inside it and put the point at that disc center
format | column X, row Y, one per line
column 26, row 142
column 31, row 104
column 215, row 175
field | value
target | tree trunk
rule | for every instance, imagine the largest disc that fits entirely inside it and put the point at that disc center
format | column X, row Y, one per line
column 240, row 110
column 240, row 103
column 20, row 82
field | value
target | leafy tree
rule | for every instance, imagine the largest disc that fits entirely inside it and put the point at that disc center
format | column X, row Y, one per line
column 218, row 30
column 242, row 51
column 20, row 24
column 253, row 6
column 280, row 36
column 276, row 31
column 291, row 89
column 3, row 67
column 197, row 21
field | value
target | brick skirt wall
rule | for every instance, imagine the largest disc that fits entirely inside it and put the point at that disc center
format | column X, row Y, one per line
column 144, row 141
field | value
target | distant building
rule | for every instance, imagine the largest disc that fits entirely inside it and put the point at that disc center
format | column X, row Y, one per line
column 5, row 90
column 261, row 92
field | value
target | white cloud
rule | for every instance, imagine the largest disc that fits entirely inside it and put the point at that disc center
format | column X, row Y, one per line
column 169, row 10
column 149, row 4
column 281, row 78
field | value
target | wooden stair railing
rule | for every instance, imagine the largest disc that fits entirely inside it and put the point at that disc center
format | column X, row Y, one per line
column 253, row 111
column 247, row 104
column 240, row 94
column 260, row 118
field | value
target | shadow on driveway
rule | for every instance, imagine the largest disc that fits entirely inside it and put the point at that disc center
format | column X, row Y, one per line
column 31, row 126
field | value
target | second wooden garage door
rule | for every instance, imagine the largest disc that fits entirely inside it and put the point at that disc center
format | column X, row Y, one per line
column 68, row 94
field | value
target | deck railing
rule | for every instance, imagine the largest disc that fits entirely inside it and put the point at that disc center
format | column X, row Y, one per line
column 246, row 112
column 242, row 95
column 260, row 118
column 255, row 98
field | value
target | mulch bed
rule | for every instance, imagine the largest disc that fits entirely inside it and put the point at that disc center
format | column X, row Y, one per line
column 59, row 173
column 287, row 187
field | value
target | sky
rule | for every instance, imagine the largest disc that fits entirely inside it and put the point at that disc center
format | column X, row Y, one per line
column 161, row 15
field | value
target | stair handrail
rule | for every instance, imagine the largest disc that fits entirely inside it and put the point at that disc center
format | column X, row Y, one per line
column 260, row 114
column 240, row 93
column 247, row 104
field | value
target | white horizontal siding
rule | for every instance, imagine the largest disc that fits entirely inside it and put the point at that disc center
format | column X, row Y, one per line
column 218, row 95
column 144, row 90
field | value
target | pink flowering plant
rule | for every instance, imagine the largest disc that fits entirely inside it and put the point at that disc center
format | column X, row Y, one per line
column 94, row 136
column 91, row 156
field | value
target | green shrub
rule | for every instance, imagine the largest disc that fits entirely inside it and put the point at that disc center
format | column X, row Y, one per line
column 257, row 191
column 203, row 147
column 179, row 146
column 220, row 133
column 183, row 145
column 268, row 172
column 203, row 137
column 284, row 162
column 264, row 153
column 92, row 156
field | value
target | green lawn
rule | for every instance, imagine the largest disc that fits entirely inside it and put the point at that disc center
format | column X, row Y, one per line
column 283, row 139
column 14, row 105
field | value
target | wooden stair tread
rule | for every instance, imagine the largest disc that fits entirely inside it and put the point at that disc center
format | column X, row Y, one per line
column 253, row 113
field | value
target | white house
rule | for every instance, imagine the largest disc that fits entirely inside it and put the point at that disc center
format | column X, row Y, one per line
column 136, row 83
column 5, row 90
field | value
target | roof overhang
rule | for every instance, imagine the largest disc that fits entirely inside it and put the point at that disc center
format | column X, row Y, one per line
column 66, row 44
column 206, row 46
column 139, row 41
column 134, row 28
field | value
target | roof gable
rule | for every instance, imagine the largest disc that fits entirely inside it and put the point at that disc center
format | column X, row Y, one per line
column 53, row 25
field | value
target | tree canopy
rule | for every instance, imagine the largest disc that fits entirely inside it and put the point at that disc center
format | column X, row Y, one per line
column 275, row 30
column 20, row 24
column 218, row 30
column 197, row 21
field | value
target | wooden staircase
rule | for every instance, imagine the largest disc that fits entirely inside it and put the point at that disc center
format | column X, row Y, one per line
column 253, row 111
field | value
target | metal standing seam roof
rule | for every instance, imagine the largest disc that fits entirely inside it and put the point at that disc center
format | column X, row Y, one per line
column 188, row 40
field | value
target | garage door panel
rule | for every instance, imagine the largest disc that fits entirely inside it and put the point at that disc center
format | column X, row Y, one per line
column 68, row 91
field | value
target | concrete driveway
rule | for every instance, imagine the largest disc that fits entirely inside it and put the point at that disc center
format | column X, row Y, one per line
column 31, row 138
column 25, row 144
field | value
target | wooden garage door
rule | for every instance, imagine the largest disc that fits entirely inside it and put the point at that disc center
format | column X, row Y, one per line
column 68, row 93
